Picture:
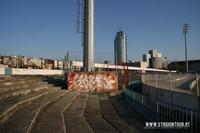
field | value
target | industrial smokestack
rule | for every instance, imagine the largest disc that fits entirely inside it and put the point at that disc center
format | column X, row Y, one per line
column 88, row 35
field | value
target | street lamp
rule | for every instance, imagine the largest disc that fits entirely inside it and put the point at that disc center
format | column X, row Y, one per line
column 185, row 31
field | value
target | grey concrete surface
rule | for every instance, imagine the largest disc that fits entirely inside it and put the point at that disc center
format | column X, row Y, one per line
column 11, row 101
column 128, row 115
column 50, row 119
column 88, row 113
column 112, row 117
column 179, row 83
column 74, row 120
column 93, row 116
column 20, row 121
column 132, row 117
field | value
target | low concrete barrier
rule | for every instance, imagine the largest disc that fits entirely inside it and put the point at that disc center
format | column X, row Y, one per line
column 17, row 71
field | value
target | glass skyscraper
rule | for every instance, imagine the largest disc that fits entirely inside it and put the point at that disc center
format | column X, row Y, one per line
column 120, row 48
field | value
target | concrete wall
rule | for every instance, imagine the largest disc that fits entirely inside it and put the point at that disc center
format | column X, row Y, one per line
column 2, row 71
column 92, row 81
column 15, row 71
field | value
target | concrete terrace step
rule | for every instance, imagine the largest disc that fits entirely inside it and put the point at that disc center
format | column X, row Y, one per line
column 27, row 84
column 54, row 87
column 19, row 83
column 3, row 77
column 12, row 83
column 21, row 91
column 132, row 117
column 10, row 88
column 8, row 79
column 20, row 122
column 110, row 115
column 50, row 119
column 17, row 78
column 12, row 104
column 128, row 114
column 74, row 120
column 56, row 82
column 93, row 116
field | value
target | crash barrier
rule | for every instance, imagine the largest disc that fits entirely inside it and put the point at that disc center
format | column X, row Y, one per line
column 92, row 81
column 160, row 111
column 17, row 71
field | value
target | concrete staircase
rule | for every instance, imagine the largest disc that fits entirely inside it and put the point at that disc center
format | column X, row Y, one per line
column 35, row 104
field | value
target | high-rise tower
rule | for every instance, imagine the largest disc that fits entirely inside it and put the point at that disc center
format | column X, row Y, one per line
column 120, row 48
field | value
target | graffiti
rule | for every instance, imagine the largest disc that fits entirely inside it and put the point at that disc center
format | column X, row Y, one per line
column 92, row 81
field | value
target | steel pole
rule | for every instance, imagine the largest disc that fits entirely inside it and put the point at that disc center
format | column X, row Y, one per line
column 88, row 35
column 186, row 58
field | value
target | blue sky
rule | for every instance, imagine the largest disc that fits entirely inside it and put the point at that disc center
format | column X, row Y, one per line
column 47, row 28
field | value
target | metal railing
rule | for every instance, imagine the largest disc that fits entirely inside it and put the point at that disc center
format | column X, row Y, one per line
column 184, row 83
column 157, row 111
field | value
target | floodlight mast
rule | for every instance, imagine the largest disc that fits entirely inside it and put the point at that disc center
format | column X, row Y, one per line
column 85, row 26
column 185, row 31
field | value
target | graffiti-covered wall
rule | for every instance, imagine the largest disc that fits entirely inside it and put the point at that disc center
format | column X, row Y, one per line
column 92, row 81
